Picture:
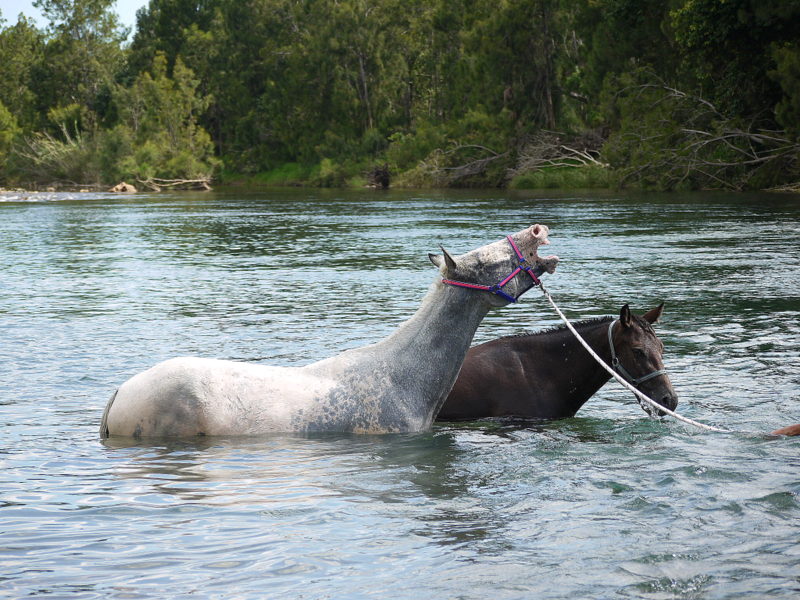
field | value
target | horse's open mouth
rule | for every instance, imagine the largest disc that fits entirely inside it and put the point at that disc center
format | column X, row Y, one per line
column 544, row 264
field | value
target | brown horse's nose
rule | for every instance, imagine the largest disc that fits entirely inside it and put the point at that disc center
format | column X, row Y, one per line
column 669, row 401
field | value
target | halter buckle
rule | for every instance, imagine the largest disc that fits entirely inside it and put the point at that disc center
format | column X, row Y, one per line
column 529, row 271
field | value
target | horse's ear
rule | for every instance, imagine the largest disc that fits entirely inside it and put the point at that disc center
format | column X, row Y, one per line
column 625, row 317
column 448, row 260
column 444, row 259
column 436, row 259
column 652, row 316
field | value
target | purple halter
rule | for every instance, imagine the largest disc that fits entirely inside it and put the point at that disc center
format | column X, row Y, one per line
column 497, row 288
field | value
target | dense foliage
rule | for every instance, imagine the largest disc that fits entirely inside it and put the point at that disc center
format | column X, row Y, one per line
column 651, row 93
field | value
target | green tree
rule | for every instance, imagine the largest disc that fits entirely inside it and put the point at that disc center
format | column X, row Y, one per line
column 159, row 135
column 512, row 45
column 21, row 54
column 9, row 130
column 787, row 74
column 162, row 26
column 82, row 57
column 727, row 50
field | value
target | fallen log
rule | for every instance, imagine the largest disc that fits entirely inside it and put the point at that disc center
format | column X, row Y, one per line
column 157, row 184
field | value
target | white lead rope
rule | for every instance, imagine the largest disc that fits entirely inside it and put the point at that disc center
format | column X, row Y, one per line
column 616, row 376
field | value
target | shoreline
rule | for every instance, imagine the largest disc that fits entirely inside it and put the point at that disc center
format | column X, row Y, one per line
column 254, row 183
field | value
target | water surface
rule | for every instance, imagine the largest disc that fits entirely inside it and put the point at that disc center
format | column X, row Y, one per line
column 96, row 287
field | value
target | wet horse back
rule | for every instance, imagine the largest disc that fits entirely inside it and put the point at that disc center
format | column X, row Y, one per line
column 194, row 396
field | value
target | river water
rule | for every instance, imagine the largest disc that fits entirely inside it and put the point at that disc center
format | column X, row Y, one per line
column 96, row 287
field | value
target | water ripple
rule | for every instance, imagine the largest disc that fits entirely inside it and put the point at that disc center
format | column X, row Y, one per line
column 607, row 504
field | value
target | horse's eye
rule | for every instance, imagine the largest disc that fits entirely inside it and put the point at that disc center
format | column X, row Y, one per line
column 640, row 353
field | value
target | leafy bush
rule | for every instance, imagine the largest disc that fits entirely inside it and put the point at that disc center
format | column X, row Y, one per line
column 115, row 146
column 406, row 150
column 787, row 73
column 287, row 174
column 8, row 132
column 159, row 135
column 373, row 143
column 330, row 173
column 590, row 176
column 69, row 158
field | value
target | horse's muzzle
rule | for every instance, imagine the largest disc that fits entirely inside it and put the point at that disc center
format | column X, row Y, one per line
column 669, row 401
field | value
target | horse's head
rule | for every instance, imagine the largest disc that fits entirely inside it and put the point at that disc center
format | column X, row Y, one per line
column 637, row 356
column 503, row 268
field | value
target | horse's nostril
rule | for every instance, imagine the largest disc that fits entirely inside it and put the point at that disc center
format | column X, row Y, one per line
column 669, row 402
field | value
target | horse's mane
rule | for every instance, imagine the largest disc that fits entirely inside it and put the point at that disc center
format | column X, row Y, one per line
column 559, row 328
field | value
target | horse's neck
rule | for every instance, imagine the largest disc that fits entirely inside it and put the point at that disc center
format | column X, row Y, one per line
column 592, row 375
column 575, row 375
column 425, row 353
column 417, row 365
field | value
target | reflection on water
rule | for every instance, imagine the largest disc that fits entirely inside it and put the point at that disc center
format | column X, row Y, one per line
column 97, row 287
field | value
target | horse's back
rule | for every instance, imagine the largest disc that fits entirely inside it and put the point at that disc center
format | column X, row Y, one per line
column 189, row 396
column 491, row 374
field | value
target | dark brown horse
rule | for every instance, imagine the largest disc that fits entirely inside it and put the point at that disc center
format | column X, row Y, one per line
column 549, row 375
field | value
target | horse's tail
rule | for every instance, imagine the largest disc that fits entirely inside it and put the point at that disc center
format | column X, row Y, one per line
column 104, row 421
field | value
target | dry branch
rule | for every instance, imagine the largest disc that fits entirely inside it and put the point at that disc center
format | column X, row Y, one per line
column 689, row 140
column 448, row 167
column 554, row 150
column 157, row 184
column 793, row 188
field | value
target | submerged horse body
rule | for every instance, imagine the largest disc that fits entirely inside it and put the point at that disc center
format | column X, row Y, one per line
column 549, row 375
column 397, row 384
